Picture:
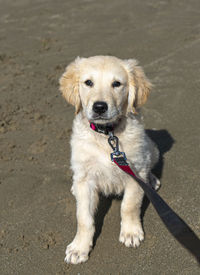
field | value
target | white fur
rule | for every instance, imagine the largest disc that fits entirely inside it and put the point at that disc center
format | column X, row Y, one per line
column 90, row 161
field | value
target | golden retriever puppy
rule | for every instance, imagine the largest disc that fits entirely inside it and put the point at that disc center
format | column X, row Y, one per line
column 106, row 90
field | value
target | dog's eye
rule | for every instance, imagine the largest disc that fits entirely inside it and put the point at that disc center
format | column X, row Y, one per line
column 89, row 83
column 116, row 84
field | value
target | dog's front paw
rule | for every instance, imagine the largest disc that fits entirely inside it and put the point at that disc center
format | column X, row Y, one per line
column 131, row 236
column 76, row 253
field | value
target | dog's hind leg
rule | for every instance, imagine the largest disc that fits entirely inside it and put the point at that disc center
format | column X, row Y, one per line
column 154, row 181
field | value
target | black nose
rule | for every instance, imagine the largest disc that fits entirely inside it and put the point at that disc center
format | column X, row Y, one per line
column 100, row 107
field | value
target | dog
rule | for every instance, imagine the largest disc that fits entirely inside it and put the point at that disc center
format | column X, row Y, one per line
column 106, row 90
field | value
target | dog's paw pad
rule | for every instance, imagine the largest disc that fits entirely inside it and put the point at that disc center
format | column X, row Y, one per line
column 132, row 238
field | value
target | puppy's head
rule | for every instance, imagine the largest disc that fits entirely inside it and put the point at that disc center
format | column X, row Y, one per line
column 104, row 87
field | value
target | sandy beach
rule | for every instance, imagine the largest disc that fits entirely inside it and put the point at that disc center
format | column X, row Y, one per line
column 37, row 210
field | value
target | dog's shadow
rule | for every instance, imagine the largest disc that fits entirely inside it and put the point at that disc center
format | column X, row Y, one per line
column 164, row 142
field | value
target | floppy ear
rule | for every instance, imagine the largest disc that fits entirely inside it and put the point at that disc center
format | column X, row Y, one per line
column 69, row 85
column 139, row 85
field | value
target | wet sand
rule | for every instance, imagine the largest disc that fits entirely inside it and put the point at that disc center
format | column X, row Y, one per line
column 37, row 211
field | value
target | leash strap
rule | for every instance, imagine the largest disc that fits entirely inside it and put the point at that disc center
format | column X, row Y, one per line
column 176, row 226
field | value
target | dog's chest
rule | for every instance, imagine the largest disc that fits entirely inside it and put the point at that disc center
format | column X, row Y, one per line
column 92, row 159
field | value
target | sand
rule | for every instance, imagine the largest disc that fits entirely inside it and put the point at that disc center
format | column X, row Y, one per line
column 37, row 211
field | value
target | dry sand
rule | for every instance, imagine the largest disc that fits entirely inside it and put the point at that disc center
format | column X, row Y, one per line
column 37, row 211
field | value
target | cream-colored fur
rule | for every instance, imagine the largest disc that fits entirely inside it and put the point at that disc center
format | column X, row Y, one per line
column 90, row 161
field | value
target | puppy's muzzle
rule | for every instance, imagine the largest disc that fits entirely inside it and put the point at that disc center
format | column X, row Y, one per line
column 100, row 107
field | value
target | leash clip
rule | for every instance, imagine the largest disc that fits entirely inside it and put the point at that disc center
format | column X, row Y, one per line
column 114, row 143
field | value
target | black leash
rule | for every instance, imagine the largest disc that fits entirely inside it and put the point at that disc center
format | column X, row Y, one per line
column 176, row 226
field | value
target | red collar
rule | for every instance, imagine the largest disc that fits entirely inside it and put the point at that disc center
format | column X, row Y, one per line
column 102, row 128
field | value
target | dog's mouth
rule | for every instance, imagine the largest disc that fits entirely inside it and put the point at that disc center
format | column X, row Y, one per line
column 105, row 117
column 101, row 119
